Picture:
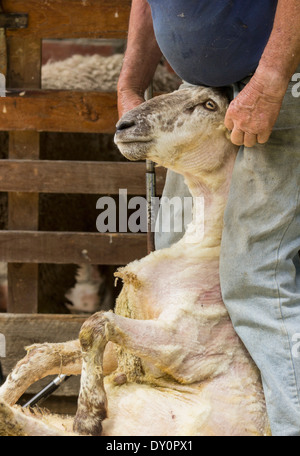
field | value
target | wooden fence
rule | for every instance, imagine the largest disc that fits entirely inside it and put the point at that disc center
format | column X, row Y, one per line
column 28, row 110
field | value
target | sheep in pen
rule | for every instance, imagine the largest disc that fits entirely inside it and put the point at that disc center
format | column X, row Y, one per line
column 167, row 361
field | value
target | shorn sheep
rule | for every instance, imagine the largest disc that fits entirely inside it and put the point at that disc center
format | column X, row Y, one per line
column 181, row 368
column 82, row 288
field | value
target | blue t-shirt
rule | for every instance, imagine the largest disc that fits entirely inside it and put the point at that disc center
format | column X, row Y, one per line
column 213, row 42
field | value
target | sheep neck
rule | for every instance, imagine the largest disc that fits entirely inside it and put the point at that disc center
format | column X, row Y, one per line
column 209, row 192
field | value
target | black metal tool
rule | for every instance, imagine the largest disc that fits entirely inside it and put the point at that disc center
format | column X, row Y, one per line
column 47, row 391
column 150, row 188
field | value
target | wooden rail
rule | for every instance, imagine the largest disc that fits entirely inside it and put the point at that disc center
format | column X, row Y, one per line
column 71, row 18
column 66, row 111
column 71, row 248
column 60, row 111
column 51, row 176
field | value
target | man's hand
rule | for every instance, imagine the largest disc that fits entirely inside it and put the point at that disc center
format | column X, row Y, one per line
column 127, row 100
column 253, row 113
column 251, row 116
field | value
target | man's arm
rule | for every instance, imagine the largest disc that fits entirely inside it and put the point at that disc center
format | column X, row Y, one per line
column 252, row 115
column 141, row 58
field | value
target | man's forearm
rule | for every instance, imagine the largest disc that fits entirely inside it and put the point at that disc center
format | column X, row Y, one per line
column 143, row 54
column 282, row 52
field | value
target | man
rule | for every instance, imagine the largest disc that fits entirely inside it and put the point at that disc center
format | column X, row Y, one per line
column 253, row 45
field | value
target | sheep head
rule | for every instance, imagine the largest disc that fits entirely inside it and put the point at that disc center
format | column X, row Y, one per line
column 183, row 130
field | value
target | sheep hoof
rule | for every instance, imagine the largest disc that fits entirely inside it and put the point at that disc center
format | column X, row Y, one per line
column 84, row 424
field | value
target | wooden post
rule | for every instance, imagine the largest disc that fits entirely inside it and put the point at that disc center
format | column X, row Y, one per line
column 24, row 71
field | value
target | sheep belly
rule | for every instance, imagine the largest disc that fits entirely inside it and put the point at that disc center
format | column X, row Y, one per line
column 141, row 410
column 185, row 294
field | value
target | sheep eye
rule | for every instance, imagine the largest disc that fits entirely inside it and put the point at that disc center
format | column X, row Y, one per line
column 210, row 105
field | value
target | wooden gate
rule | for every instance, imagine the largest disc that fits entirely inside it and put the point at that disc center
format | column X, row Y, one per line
column 27, row 110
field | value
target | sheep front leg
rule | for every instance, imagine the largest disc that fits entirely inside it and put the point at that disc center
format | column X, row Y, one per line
column 92, row 401
column 148, row 339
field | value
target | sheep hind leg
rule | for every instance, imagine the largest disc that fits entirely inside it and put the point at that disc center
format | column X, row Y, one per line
column 41, row 360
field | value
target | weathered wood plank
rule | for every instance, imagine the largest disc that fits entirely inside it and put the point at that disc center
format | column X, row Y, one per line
column 22, row 288
column 71, row 248
column 24, row 70
column 23, row 330
column 24, row 62
column 3, row 53
column 72, row 18
column 75, row 177
column 23, row 213
column 60, row 111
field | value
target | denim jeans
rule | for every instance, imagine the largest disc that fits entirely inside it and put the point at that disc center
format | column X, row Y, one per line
column 259, row 263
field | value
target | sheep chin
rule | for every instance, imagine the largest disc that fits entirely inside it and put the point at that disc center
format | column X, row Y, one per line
column 135, row 150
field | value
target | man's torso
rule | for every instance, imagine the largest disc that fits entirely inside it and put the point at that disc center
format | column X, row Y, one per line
column 213, row 42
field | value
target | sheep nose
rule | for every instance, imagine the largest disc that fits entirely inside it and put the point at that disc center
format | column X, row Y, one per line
column 125, row 124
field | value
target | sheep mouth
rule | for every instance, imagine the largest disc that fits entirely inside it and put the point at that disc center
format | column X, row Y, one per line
column 133, row 141
column 130, row 140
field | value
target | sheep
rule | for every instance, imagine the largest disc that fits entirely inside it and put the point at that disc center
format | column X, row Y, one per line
column 181, row 368
column 98, row 73
column 61, row 289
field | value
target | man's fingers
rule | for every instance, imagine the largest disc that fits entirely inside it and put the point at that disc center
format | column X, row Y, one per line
column 240, row 138
column 262, row 138
column 250, row 140
column 237, row 137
